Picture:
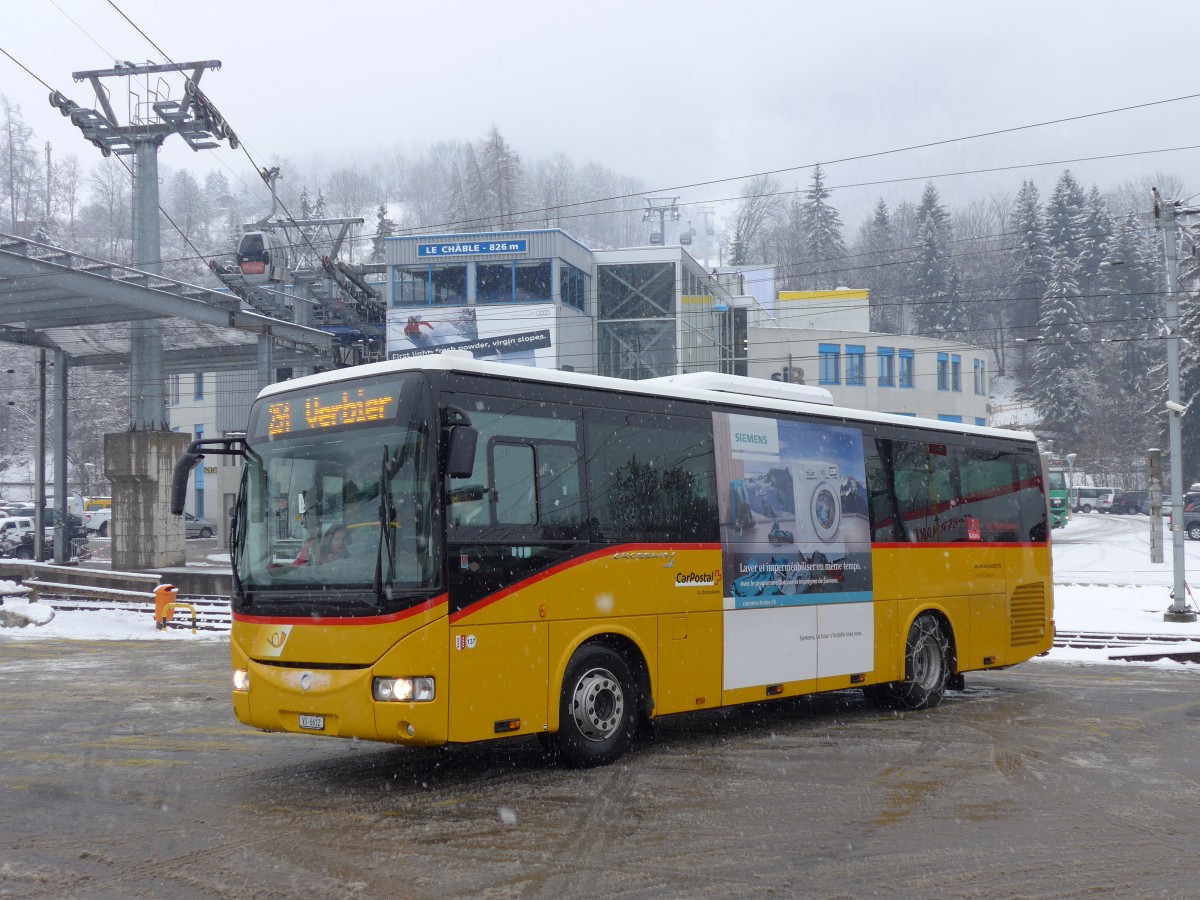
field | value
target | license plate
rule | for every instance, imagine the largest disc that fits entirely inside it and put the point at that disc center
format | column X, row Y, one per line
column 316, row 723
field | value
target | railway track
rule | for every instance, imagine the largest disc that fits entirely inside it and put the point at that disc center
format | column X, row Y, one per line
column 212, row 613
column 1132, row 647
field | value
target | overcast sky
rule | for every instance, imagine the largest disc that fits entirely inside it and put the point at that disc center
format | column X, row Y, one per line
column 673, row 93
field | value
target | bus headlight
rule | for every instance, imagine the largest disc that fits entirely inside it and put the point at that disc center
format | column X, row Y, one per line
column 241, row 680
column 403, row 690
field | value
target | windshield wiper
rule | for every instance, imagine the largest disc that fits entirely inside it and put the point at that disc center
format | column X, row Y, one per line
column 387, row 528
column 237, row 534
column 387, row 517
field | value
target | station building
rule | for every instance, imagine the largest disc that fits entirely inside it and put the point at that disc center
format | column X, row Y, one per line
column 540, row 297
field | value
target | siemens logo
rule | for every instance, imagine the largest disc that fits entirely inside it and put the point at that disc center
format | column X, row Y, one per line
column 742, row 437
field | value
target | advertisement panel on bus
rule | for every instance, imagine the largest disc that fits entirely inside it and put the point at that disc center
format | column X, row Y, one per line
column 796, row 544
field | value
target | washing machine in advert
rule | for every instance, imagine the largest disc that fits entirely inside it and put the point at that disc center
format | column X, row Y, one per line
column 819, row 507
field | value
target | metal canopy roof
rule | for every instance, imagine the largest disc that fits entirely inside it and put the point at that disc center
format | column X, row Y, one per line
column 44, row 289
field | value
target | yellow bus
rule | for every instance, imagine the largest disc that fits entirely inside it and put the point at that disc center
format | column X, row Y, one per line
column 441, row 549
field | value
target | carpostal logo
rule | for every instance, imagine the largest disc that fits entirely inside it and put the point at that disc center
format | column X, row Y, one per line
column 698, row 579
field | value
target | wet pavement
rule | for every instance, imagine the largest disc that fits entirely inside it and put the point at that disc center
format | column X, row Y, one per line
column 124, row 774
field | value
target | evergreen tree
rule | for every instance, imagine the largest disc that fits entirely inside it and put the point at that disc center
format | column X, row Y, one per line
column 876, row 248
column 1189, row 349
column 1031, row 255
column 1062, row 382
column 823, row 248
column 1066, row 214
column 384, row 227
column 900, row 275
column 934, row 280
column 1132, row 359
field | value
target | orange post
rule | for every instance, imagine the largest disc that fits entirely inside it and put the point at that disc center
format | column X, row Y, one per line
column 164, row 594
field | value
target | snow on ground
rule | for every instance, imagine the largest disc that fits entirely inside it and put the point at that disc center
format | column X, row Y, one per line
column 1104, row 582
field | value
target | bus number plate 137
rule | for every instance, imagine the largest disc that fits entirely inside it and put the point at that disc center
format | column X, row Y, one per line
column 316, row 723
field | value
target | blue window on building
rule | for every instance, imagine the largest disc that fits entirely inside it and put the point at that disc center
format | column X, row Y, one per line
column 943, row 417
column 980, row 377
column 448, row 285
column 979, row 420
column 410, row 286
column 199, row 384
column 943, row 371
column 887, row 366
column 831, row 363
column 572, row 287
column 856, row 364
column 907, row 377
column 955, row 372
column 513, row 282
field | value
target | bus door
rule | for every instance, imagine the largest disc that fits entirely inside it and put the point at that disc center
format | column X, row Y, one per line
column 513, row 521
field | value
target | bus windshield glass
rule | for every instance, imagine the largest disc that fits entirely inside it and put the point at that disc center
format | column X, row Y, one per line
column 337, row 492
column 1057, row 481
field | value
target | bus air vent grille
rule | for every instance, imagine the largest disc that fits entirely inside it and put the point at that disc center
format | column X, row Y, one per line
column 1028, row 615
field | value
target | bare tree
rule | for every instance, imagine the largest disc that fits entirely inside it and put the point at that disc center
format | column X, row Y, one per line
column 761, row 205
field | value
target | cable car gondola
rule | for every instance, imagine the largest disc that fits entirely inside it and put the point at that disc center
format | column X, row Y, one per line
column 262, row 256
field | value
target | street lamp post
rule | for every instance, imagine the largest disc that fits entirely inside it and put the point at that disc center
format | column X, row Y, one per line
column 1070, row 458
column 1166, row 213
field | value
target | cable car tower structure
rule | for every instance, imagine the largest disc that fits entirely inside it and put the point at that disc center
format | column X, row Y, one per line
column 289, row 268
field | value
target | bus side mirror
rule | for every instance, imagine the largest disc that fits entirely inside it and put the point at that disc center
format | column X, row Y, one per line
column 460, row 455
column 179, row 482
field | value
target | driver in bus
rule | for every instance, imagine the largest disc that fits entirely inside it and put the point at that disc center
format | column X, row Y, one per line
column 333, row 546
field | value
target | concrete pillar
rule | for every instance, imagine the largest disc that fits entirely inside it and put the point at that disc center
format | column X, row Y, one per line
column 140, row 465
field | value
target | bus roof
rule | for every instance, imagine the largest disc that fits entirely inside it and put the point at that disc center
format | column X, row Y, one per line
column 727, row 389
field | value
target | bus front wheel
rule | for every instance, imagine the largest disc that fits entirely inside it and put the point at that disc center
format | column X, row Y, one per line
column 926, row 668
column 598, row 710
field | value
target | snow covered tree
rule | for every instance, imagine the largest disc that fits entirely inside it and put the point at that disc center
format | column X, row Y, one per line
column 503, row 178
column 1031, row 256
column 384, row 228
column 823, row 249
column 934, row 281
column 1131, row 358
column 1062, row 383
column 1066, row 214
column 875, row 249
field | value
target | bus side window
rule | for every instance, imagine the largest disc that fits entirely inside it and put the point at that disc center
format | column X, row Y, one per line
column 886, row 523
column 651, row 478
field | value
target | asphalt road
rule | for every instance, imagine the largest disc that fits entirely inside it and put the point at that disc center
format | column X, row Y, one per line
column 123, row 774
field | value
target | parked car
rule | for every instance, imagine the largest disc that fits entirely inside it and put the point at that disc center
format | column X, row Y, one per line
column 74, row 523
column 96, row 520
column 199, row 528
column 1191, row 519
column 1128, row 503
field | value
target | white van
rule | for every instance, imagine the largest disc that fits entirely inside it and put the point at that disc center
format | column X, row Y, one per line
column 1086, row 499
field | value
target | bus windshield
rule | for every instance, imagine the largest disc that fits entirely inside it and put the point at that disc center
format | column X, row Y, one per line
column 1057, row 481
column 337, row 493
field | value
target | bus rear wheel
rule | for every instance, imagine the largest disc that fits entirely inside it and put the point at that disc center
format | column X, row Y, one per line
column 926, row 669
column 598, row 709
